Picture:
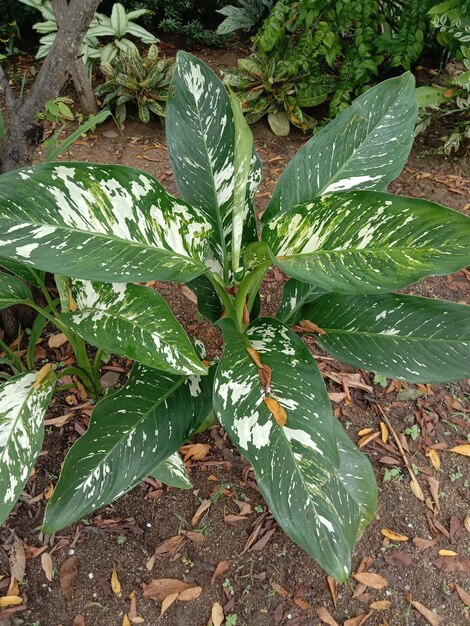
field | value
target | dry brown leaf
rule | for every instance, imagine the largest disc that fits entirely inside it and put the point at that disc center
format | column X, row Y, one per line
column 217, row 614
column 79, row 620
column 126, row 621
column 336, row 396
column 393, row 536
column 433, row 618
column 47, row 566
column 133, row 605
column 384, row 432
column 466, row 522
column 463, row 595
column 49, row 492
column 233, row 519
column 195, row 451
column 167, row 602
column 350, row 380
column 363, row 441
column 205, row 504
column 68, row 575
column 17, row 559
column 434, row 490
column 365, row 431
column 159, row 589
column 380, row 605
column 452, row 565
column 220, row 570
column 374, row 581
column 13, row 587
column 55, row 341
column 325, row 616
column 58, row 421
column 464, row 449
column 10, row 601
column 255, row 357
column 310, row 327
column 333, row 590
column 280, row 590
column 434, row 458
column 188, row 293
column 278, row 412
column 423, row 544
column 447, row 553
column 115, row 583
column 302, row 604
column 358, row 620
column 416, row 490
column 189, row 594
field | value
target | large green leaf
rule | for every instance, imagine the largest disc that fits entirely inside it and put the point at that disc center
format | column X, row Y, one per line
column 294, row 295
column 12, row 290
column 415, row 339
column 201, row 143
column 173, row 472
column 100, row 222
column 297, row 465
column 365, row 147
column 134, row 321
column 130, row 433
column 23, row 402
column 28, row 274
column 368, row 241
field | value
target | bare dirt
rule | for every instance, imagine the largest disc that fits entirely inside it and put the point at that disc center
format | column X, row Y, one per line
column 269, row 580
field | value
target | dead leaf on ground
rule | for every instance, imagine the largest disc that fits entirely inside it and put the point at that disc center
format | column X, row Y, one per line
column 350, row 380
column 261, row 543
column 384, row 432
column 55, row 341
column 416, row 490
column 463, row 595
column 115, row 583
column 126, row 621
column 466, row 522
column 220, row 570
column 217, row 614
column 10, row 601
column 434, row 458
column 333, row 589
column 374, row 581
column 453, row 565
column 189, row 293
column 464, row 449
column 280, row 590
column 380, row 605
column 159, row 589
column 68, row 575
column 79, row 620
column 423, row 544
column 310, row 327
column 195, row 451
column 167, row 602
column 47, row 566
column 393, row 536
column 325, row 616
column 277, row 411
column 58, row 421
column 205, row 504
column 189, row 594
column 358, row 620
column 17, row 559
column 433, row 618
column 447, row 553
column 13, row 587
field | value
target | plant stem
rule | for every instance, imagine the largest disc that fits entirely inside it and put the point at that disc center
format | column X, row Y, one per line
column 84, row 376
column 15, row 359
column 249, row 285
column 224, row 297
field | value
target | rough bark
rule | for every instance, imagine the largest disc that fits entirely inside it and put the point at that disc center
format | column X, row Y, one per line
column 23, row 133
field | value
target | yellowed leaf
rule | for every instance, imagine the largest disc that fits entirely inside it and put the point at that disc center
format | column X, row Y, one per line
column 189, row 594
column 464, row 449
column 278, row 412
column 310, row 327
column 416, row 490
column 374, row 581
column 126, row 621
column 380, row 605
column 466, row 522
column 365, row 431
column 41, row 375
column 434, row 458
column 393, row 536
column 205, row 504
column 384, row 432
column 47, row 566
column 447, row 553
column 49, row 492
column 217, row 614
column 10, row 601
column 255, row 357
column 325, row 616
column 115, row 583
column 167, row 602
column 195, row 451
column 363, row 441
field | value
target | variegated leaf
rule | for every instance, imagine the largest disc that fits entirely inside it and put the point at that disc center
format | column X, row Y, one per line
column 365, row 147
column 405, row 337
column 134, row 321
column 201, row 143
column 130, row 433
column 368, row 241
column 173, row 472
column 294, row 295
column 297, row 464
column 23, row 403
column 12, row 290
column 100, row 222
column 28, row 274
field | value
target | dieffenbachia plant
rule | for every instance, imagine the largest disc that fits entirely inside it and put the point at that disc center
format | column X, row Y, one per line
column 331, row 226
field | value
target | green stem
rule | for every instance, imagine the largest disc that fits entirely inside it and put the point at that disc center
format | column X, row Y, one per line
column 224, row 297
column 97, row 364
column 249, row 285
column 15, row 359
column 84, row 377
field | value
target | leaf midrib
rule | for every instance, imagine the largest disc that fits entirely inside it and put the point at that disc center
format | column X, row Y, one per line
column 383, row 335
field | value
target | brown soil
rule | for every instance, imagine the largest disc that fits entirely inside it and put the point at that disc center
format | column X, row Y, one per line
column 125, row 534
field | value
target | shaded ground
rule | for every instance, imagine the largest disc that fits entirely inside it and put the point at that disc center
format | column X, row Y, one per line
column 268, row 579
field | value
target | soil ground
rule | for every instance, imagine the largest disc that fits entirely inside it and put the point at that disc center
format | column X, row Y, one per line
column 268, row 580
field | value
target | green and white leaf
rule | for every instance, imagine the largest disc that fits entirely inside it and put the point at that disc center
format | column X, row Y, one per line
column 201, row 144
column 365, row 147
column 368, row 241
column 100, row 222
column 23, row 404
column 130, row 433
column 405, row 337
column 294, row 295
column 173, row 472
column 297, row 466
column 12, row 290
column 119, row 20
column 29, row 274
column 133, row 321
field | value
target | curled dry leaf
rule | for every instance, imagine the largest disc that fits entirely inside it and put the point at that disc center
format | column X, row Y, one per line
column 310, row 327
column 68, row 575
column 167, row 602
column 205, row 504
column 189, row 594
column 277, row 411
column 365, row 431
column 433, row 618
column 195, row 451
column 374, row 581
column 115, row 583
column 220, row 570
column 47, row 566
column 10, row 601
column 393, row 536
column 159, row 589
column 333, row 590
column 217, row 614
column 325, row 616
column 416, row 490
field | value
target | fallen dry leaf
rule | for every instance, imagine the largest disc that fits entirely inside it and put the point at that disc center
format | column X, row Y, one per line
column 167, row 602
column 13, row 588
column 423, row 544
column 310, row 327
column 325, row 616
column 463, row 449
column 380, row 605
column 79, row 620
column 115, row 583
column 358, row 620
column 434, row 458
column 280, row 590
column 393, row 536
column 452, row 565
column 463, row 595
column 374, row 581
column 466, row 522
column 217, row 614
column 447, row 553
column 189, row 594
column 195, row 451
column 363, row 441
column 302, row 604
column 365, row 431
column 205, row 504
column 47, row 566
column 188, row 293
column 349, row 380
column 17, row 559
column 159, row 589
column 55, row 341
column 333, row 590
column 220, row 570
column 416, row 490
column 277, row 411
column 49, row 492
column 58, row 421
column 126, row 621
column 68, row 575
column 433, row 618
column 10, row 601
column 384, row 432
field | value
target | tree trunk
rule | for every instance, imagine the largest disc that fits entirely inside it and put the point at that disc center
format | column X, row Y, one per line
column 23, row 134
